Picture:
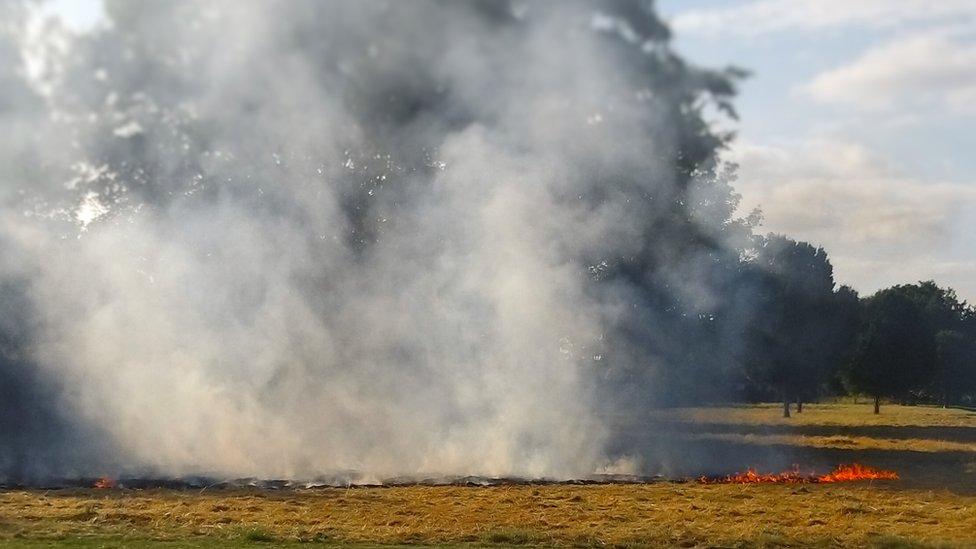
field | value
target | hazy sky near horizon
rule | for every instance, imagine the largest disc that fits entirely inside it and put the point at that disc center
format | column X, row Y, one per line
column 856, row 126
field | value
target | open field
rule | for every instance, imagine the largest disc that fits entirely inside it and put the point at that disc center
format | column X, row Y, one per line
column 926, row 508
column 851, row 426
column 652, row 514
column 843, row 415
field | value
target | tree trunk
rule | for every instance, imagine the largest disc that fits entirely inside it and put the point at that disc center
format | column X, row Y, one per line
column 877, row 404
column 799, row 405
column 786, row 406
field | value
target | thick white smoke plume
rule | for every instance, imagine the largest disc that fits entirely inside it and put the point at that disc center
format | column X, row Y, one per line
column 286, row 239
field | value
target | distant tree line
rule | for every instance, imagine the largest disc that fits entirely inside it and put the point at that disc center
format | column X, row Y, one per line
column 910, row 343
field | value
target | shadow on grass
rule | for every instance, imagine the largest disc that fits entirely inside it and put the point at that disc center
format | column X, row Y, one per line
column 891, row 542
column 935, row 432
column 514, row 536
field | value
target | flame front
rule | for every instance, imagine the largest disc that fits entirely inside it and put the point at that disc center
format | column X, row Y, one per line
column 843, row 473
column 854, row 471
column 105, row 483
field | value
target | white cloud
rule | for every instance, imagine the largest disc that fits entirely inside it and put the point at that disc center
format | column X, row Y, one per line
column 78, row 15
column 764, row 16
column 880, row 224
column 879, row 227
column 925, row 70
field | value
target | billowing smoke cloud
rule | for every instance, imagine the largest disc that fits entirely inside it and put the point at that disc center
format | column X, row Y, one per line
column 285, row 239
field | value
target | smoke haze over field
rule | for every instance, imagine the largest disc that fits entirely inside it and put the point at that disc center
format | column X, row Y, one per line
column 284, row 239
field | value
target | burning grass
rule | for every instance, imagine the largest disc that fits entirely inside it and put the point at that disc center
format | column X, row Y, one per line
column 844, row 473
column 105, row 483
column 804, row 509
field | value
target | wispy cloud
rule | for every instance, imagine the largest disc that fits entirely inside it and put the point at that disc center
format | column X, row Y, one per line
column 825, row 179
column 764, row 16
column 877, row 224
column 932, row 69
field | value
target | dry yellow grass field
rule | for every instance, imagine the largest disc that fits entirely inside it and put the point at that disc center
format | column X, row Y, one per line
column 661, row 514
column 937, row 511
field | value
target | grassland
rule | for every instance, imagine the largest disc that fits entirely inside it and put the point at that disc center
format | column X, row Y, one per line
column 842, row 415
column 840, row 426
column 939, row 511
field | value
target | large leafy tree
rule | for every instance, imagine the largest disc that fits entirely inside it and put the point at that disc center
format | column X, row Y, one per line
column 802, row 323
column 956, row 375
column 895, row 351
column 948, row 320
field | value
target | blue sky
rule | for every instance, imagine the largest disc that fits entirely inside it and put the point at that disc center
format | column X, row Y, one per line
column 856, row 126
column 856, row 130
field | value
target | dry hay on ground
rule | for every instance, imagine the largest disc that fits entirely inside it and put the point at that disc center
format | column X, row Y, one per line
column 652, row 514
column 660, row 514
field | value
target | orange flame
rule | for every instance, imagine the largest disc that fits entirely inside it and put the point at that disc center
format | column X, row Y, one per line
column 104, row 483
column 854, row 471
column 843, row 473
